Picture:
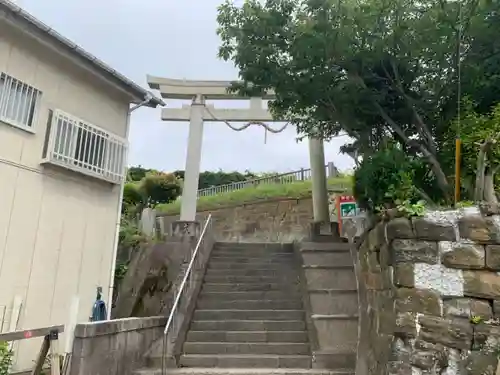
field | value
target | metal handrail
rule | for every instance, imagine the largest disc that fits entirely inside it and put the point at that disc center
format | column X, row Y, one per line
column 187, row 277
column 299, row 175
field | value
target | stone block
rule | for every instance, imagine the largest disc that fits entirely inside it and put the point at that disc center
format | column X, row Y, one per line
column 479, row 229
column 465, row 256
column 414, row 251
column 496, row 308
column 452, row 333
column 405, row 325
column 385, row 256
column 427, row 356
column 489, row 209
column 431, row 230
column 401, row 228
column 481, row 362
column 373, row 262
column 493, row 257
column 372, row 281
column 403, row 275
column 482, row 284
column 418, row 301
column 376, row 237
column 466, row 307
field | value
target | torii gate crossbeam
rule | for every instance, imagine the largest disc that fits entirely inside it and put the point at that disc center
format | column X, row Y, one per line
column 198, row 112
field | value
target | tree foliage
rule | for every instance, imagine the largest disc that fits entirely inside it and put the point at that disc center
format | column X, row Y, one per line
column 208, row 179
column 375, row 69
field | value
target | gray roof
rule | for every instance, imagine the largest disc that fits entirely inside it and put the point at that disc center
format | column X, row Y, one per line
column 139, row 93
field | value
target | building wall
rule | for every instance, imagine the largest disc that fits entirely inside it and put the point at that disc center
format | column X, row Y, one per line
column 56, row 227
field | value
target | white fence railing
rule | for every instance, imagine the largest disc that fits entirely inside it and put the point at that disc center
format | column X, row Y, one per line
column 285, row 178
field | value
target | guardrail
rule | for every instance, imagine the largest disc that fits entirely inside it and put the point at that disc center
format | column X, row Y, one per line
column 284, row 178
column 51, row 335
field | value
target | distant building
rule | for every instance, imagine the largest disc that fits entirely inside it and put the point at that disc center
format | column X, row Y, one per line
column 64, row 122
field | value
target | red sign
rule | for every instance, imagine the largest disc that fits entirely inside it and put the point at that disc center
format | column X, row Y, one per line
column 28, row 334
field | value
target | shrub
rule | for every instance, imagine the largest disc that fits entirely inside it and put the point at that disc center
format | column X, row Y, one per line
column 6, row 356
column 386, row 176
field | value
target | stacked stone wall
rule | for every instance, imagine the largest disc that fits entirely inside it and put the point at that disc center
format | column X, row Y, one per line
column 430, row 294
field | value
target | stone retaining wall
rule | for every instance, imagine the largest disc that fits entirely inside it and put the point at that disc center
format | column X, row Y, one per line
column 430, row 294
column 114, row 347
column 278, row 220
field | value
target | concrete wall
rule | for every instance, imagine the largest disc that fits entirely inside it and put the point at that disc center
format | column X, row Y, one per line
column 430, row 292
column 114, row 347
column 280, row 220
column 56, row 227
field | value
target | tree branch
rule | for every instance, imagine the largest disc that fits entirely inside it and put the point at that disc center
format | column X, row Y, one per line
column 481, row 169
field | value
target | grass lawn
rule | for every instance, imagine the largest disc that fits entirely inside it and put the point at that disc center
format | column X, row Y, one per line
column 297, row 189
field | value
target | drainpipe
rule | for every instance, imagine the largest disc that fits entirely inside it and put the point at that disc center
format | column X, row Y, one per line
column 146, row 100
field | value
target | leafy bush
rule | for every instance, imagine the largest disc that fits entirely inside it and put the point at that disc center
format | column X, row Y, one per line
column 6, row 357
column 385, row 177
column 157, row 187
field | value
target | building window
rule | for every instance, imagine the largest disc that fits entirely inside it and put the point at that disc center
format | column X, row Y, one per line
column 77, row 145
column 18, row 102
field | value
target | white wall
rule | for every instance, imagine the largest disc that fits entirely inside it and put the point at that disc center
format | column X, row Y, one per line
column 56, row 227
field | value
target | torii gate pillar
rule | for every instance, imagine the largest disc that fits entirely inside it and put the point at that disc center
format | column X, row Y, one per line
column 193, row 160
column 321, row 213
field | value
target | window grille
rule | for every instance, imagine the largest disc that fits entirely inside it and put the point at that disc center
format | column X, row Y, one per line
column 18, row 102
column 82, row 147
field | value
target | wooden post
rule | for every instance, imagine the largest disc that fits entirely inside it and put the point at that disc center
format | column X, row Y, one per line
column 40, row 360
column 55, row 366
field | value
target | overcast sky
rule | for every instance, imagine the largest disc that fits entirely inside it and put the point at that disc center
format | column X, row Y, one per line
column 175, row 39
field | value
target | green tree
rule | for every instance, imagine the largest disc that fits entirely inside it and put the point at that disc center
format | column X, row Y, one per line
column 372, row 68
column 137, row 173
column 480, row 134
column 158, row 187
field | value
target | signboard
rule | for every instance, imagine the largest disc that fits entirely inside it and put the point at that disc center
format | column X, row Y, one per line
column 346, row 207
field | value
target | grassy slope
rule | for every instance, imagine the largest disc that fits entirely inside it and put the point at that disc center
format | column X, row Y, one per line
column 261, row 192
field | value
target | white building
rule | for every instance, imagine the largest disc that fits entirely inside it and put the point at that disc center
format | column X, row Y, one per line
column 64, row 121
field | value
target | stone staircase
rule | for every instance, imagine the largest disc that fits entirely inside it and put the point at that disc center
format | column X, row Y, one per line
column 331, row 286
column 249, row 312
column 250, row 316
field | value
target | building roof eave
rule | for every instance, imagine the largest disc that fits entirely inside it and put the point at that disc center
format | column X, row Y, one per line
column 136, row 91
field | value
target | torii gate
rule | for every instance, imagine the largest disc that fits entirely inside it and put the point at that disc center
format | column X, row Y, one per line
column 198, row 112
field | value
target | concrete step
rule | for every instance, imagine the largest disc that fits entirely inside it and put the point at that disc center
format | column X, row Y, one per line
column 284, row 271
column 250, row 295
column 243, row 371
column 288, row 304
column 248, row 325
column 336, row 359
column 327, row 258
column 247, row 287
column 246, row 361
column 223, row 253
column 248, row 265
column 247, row 336
column 246, row 348
column 225, row 279
column 324, row 246
column 248, row 315
column 255, row 246
column 289, row 260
